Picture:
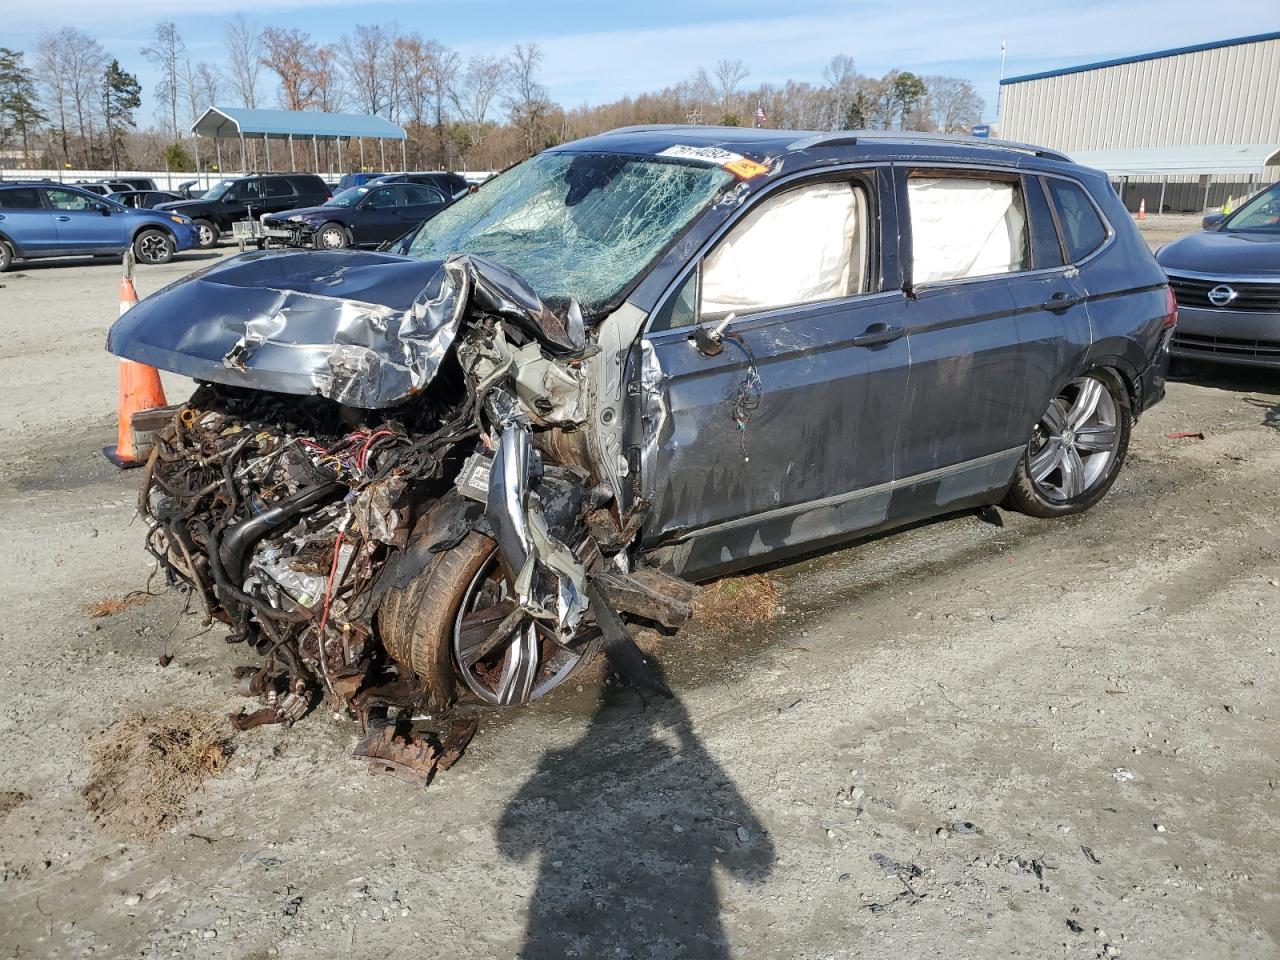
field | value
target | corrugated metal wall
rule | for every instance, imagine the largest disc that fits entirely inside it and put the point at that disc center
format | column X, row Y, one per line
column 1222, row 95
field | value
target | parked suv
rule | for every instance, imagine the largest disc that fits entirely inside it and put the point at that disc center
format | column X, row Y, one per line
column 656, row 355
column 249, row 197
column 41, row 219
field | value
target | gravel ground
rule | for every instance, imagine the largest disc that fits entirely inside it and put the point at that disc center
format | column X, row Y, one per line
column 961, row 740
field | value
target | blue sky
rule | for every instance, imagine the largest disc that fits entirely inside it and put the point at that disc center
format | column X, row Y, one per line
column 598, row 51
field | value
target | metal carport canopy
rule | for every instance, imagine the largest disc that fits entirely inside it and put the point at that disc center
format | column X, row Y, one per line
column 1194, row 160
column 230, row 123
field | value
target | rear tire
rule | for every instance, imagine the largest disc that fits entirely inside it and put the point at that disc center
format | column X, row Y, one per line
column 153, row 247
column 1076, row 449
column 206, row 234
column 6, row 256
column 332, row 236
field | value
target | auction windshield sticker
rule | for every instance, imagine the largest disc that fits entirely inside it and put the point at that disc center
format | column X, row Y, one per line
column 735, row 163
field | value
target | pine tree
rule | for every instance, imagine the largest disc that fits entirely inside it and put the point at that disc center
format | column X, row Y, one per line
column 121, row 95
column 18, row 110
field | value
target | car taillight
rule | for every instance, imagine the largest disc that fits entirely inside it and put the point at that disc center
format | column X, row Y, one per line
column 1170, row 309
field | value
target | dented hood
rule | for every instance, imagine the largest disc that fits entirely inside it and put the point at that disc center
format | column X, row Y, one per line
column 363, row 328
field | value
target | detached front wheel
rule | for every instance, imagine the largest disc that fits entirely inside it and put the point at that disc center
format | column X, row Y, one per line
column 1077, row 448
column 459, row 621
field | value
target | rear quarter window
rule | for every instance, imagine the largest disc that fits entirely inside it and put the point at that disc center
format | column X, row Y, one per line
column 1082, row 229
column 20, row 198
column 278, row 188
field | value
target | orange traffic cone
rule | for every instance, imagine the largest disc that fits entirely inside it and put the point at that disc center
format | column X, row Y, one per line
column 140, row 387
column 1142, row 209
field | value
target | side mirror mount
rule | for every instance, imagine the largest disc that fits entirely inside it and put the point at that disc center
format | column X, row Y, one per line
column 710, row 341
column 1212, row 221
column 104, row 209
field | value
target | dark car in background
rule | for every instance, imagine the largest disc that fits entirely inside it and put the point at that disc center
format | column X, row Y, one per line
column 143, row 199
column 350, row 180
column 358, row 217
column 41, row 219
column 1227, row 280
column 248, row 198
column 660, row 353
column 452, row 185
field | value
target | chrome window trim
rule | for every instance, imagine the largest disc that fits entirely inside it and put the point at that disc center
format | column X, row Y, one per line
column 1176, row 274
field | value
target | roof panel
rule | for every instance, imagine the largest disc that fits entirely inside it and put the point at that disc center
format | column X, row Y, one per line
column 231, row 122
column 1138, row 58
column 1195, row 160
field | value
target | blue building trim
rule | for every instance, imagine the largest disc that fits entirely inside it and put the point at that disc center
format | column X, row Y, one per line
column 1256, row 38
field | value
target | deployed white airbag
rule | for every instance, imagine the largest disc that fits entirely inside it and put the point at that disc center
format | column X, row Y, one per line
column 962, row 227
column 797, row 248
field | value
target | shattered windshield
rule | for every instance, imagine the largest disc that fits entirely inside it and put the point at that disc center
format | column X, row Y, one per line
column 578, row 225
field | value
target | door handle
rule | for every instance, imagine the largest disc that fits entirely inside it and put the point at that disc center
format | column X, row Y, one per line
column 877, row 334
column 64, row 218
column 1061, row 302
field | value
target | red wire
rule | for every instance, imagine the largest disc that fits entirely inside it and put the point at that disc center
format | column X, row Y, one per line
column 364, row 451
column 328, row 590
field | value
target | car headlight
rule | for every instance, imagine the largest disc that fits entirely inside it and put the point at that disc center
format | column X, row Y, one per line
column 177, row 219
column 297, row 218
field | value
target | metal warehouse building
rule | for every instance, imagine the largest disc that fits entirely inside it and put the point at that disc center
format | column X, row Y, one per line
column 1222, row 94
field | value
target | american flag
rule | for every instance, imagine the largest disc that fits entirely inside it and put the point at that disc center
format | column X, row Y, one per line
column 759, row 116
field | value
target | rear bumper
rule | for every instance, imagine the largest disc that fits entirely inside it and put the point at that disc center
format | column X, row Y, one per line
column 1249, row 338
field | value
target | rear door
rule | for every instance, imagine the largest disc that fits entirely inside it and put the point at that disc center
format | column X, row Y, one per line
column 87, row 224
column 982, row 347
column 27, row 221
column 785, row 436
column 421, row 202
column 279, row 195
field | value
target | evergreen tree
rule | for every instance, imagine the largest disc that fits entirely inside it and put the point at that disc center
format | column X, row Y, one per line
column 19, row 113
column 121, row 95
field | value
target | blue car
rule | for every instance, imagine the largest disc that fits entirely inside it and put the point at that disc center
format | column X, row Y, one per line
column 41, row 219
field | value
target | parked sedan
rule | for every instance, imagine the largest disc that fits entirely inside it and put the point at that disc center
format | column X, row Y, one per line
column 358, row 217
column 1227, row 280
column 143, row 199
column 659, row 354
column 40, row 220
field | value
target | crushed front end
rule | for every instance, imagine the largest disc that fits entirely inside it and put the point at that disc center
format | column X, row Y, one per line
column 384, row 486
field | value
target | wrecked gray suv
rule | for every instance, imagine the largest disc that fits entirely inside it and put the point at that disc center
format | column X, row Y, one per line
column 645, row 358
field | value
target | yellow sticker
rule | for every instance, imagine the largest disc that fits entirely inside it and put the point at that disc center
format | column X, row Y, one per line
column 746, row 168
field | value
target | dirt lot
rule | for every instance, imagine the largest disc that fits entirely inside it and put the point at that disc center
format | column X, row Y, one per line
column 1047, row 739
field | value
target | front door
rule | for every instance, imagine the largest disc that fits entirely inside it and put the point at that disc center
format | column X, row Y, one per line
column 785, row 436
column 86, row 224
column 379, row 217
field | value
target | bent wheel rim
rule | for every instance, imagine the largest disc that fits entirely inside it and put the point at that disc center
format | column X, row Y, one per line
column 152, row 248
column 529, row 664
column 1075, row 442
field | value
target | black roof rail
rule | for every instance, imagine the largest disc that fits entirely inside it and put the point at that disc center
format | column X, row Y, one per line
column 850, row 137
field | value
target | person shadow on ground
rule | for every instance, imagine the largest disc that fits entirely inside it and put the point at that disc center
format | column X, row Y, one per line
column 631, row 823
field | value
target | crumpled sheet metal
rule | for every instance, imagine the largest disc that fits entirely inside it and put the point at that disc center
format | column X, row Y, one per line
column 551, row 392
column 365, row 329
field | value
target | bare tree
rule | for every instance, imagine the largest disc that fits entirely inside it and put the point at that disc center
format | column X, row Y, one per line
column 842, row 86
column 83, row 63
column 291, row 55
column 729, row 75
column 244, row 58
column 365, row 58
column 952, row 105
column 528, row 100
column 168, row 53
column 326, row 79
column 473, row 90
column 52, row 79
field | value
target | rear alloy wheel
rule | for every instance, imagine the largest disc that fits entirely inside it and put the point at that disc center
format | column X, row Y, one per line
column 153, row 246
column 206, row 234
column 332, row 236
column 1077, row 448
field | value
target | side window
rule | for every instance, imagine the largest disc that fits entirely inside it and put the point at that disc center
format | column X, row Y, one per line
column 420, row 196
column 20, row 198
column 248, row 190
column 965, row 227
column 1082, row 229
column 801, row 246
column 278, row 187
column 380, row 199
column 1046, row 247
column 66, row 200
